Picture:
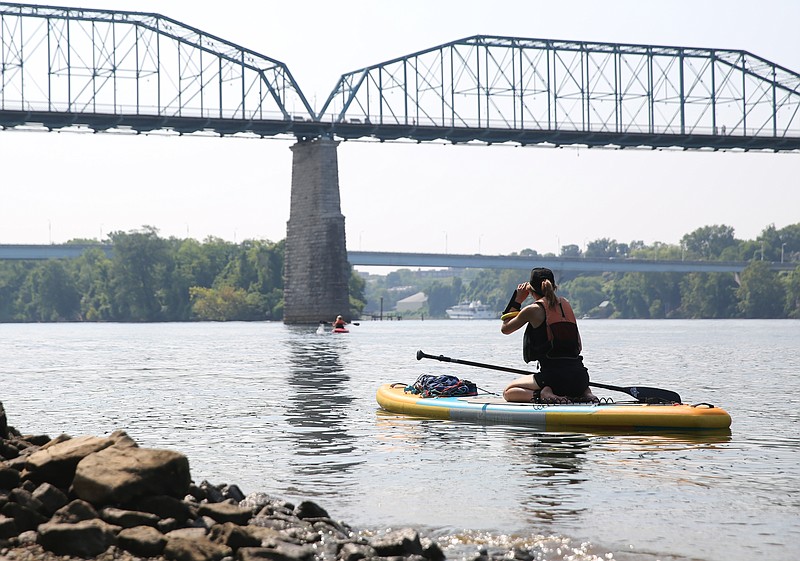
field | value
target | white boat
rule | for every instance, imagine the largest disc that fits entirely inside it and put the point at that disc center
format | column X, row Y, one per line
column 472, row 310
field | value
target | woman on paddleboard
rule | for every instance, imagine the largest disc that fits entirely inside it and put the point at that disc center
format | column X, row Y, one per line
column 551, row 338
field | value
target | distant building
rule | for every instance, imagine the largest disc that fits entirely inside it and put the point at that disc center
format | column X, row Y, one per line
column 412, row 303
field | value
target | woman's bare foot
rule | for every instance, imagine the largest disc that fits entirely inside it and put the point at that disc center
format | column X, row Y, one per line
column 589, row 397
column 547, row 396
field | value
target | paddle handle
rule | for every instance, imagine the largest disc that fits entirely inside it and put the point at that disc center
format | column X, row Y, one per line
column 641, row 393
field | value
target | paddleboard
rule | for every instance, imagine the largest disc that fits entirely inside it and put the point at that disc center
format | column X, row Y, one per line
column 489, row 408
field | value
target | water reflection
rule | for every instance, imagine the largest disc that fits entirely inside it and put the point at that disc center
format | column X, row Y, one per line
column 319, row 404
column 550, row 466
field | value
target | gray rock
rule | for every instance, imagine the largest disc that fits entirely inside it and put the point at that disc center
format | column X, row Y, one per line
column 9, row 478
column 310, row 509
column 26, row 499
column 8, row 528
column 165, row 507
column 355, row 551
column 121, row 474
column 87, row 538
column 399, row 542
column 197, row 549
column 226, row 512
column 76, row 511
column 56, row 462
column 51, row 497
column 3, row 422
column 233, row 536
column 24, row 518
column 145, row 541
column 284, row 552
column 128, row 518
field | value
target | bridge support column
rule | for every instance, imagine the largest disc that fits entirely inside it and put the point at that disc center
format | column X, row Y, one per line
column 316, row 272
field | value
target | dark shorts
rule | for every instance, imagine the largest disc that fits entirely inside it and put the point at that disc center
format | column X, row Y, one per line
column 567, row 377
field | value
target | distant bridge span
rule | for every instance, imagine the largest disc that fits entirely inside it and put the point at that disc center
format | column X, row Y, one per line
column 439, row 260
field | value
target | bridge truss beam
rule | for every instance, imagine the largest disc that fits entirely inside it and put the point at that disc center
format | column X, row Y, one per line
column 109, row 69
column 503, row 89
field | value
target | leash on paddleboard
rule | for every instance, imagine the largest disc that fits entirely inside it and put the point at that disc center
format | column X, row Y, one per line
column 641, row 393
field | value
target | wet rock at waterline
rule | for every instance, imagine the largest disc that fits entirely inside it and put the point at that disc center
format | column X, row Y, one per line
column 107, row 498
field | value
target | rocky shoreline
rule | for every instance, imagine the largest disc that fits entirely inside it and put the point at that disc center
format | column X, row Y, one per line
column 106, row 498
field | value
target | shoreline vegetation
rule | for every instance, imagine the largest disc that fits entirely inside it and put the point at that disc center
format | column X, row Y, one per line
column 106, row 498
column 152, row 279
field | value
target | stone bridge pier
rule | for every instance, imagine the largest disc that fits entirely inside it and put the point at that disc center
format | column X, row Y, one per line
column 316, row 272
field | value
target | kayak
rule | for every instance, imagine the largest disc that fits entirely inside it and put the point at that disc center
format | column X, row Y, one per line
column 340, row 330
column 489, row 408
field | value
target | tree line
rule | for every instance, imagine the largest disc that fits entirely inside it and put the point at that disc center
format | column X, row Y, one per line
column 757, row 292
column 152, row 279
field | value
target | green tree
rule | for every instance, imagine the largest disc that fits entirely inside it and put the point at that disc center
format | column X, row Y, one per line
column 761, row 294
column 12, row 277
column 441, row 296
column 708, row 242
column 140, row 267
column 92, row 272
column 629, row 296
column 226, row 303
column 358, row 298
column 709, row 296
column 570, row 250
column 792, row 283
column 585, row 293
column 48, row 294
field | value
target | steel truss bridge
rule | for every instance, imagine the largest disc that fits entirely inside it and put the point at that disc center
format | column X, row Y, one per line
column 63, row 68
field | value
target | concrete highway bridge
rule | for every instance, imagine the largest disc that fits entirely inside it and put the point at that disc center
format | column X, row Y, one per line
column 440, row 260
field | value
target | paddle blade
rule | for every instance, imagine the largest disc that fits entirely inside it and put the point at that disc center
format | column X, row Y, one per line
column 643, row 393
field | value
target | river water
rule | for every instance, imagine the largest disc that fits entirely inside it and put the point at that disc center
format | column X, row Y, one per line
column 293, row 413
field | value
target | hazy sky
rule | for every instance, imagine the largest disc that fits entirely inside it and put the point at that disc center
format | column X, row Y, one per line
column 407, row 197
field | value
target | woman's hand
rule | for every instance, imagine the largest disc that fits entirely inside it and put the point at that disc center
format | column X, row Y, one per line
column 522, row 292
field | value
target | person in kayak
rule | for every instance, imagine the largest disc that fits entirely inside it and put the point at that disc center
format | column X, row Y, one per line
column 339, row 323
column 551, row 338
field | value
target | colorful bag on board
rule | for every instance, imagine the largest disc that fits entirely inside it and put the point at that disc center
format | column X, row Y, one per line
column 428, row 385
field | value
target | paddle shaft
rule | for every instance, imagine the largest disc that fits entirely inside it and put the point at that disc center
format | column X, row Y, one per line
column 641, row 393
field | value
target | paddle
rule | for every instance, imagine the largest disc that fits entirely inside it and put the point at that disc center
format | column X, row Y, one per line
column 329, row 323
column 642, row 393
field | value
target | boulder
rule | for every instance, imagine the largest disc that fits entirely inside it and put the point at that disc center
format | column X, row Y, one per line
column 399, row 542
column 195, row 549
column 284, row 552
column 56, row 463
column 76, row 511
column 233, row 536
column 144, row 541
column 355, row 551
column 129, row 518
column 121, row 474
column 8, row 528
column 88, row 538
column 9, row 478
column 310, row 509
column 51, row 498
column 226, row 512
column 3, row 422
column 165, row 507
column 24, row 518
